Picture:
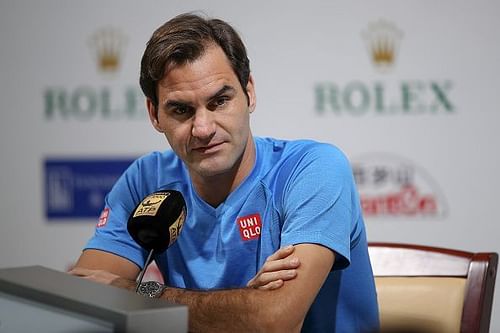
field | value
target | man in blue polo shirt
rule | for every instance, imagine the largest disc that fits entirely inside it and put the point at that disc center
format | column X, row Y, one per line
column 274, row 238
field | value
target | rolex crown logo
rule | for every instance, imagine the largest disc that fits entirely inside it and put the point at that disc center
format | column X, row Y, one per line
column 382, row 40
column 383, row 52
column 107, row 45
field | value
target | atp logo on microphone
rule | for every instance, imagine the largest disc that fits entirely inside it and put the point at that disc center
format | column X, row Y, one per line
column 250, row 226
column 150, row 205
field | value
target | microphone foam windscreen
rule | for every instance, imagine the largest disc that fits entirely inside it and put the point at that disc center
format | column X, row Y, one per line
column 157, row 220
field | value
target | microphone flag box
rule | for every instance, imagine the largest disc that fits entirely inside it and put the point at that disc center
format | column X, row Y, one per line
column 75, row 187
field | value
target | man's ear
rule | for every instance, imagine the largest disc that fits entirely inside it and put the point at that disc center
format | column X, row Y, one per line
column 252, row 99
column 153, row 114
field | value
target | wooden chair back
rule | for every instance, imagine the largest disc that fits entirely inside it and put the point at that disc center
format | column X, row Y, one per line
column 431, row 289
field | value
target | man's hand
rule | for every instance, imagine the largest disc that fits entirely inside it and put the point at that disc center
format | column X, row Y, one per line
column 278, row 268
column 104, row 277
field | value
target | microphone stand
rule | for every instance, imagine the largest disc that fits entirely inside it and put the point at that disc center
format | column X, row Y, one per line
column 141, row 275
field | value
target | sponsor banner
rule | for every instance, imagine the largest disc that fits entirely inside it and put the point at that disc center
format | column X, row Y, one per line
column 86, row 100
column 75, row 188
column 392, row 186
column 387, row 95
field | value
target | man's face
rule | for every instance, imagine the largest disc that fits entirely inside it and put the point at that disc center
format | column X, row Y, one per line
column 204, row 114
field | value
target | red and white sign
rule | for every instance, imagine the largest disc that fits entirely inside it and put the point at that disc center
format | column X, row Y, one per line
column 391, row 186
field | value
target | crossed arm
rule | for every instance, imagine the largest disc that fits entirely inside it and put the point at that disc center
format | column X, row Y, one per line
column 275, row 300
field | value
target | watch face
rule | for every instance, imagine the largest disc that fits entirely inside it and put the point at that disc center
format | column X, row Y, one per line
column 151, row 289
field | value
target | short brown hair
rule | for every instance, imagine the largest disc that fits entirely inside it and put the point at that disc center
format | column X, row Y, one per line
column 185, row 38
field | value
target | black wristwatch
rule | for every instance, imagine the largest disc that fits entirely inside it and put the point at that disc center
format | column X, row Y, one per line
column 152, row 289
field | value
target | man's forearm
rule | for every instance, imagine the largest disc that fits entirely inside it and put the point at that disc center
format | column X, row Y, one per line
column 263, row 307
column 259, row 308
column 232, row 310
column 242, row 310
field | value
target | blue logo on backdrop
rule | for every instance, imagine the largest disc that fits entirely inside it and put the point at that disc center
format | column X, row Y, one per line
column 75, row 188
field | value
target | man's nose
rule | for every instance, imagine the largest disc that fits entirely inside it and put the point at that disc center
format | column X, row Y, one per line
column 203, row 124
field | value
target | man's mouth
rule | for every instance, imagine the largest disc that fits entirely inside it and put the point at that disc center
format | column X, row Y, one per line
column 208, row 149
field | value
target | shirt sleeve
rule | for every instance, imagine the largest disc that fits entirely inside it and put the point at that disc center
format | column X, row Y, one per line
column 111, row 234
column 320, row 202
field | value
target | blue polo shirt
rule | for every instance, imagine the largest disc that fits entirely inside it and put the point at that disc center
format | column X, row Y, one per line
column 298, row 192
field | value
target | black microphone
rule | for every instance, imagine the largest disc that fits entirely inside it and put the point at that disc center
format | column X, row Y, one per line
column 156, row 222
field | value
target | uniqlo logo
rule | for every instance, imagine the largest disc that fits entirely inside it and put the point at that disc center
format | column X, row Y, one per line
column 250, row 226
column 103, row 218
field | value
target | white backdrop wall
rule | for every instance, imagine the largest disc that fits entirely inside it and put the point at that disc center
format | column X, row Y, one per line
column 420, row 125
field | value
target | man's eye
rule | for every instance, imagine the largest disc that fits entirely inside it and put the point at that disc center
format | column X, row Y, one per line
column 217, row 103
column 221, row 101
column 181, row 110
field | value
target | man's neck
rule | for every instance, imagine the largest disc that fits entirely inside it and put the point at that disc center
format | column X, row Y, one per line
column 215, row 189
